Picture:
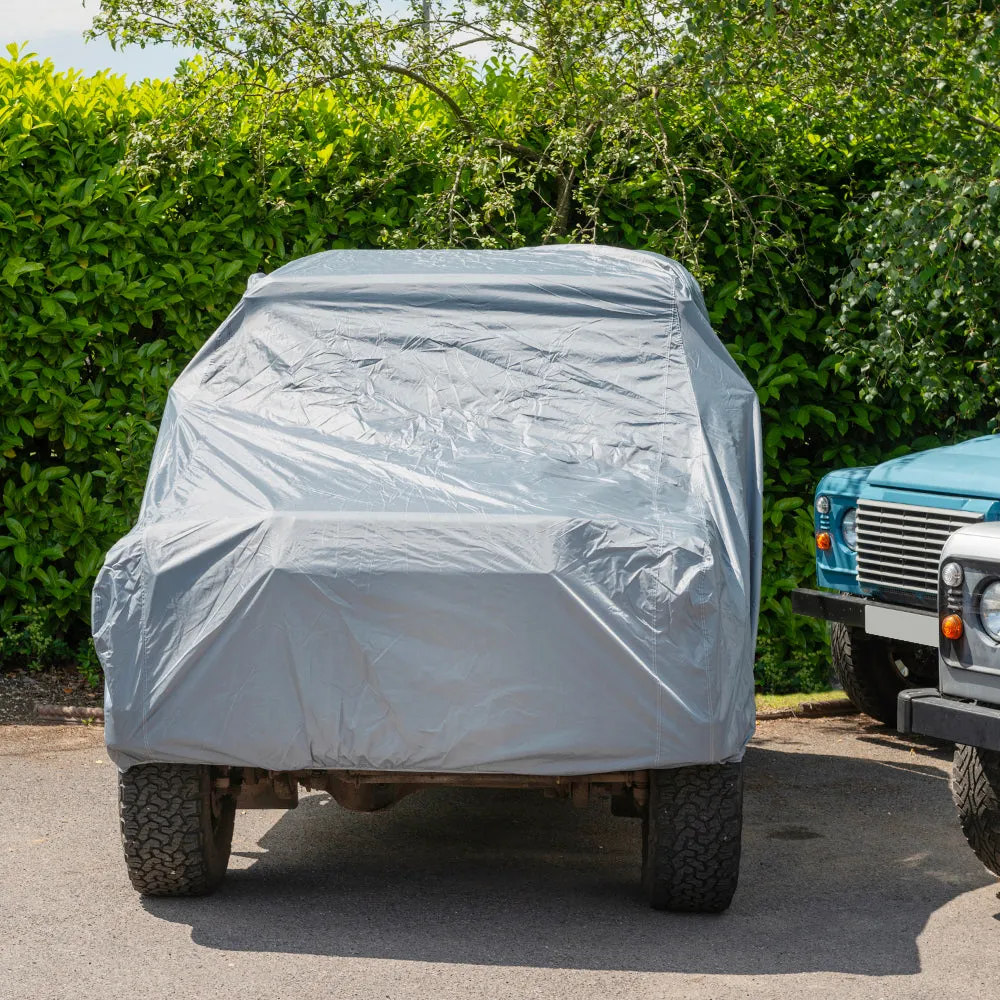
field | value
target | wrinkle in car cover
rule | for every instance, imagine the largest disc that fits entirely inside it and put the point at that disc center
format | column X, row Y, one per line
column 465, row 511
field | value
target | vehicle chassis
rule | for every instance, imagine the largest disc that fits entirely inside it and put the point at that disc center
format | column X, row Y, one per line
column 367, row 791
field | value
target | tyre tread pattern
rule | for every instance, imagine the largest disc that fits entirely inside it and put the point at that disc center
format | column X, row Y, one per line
column 693, row 832
column 862, row 666
column 975, row 786
column 167, row 837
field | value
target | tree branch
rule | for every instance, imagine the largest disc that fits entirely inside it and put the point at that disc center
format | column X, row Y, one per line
column 485, row 37
column 984, row 123
column 514, row 148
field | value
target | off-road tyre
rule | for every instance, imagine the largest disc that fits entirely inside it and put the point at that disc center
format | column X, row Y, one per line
column 691, row 838
column 975, row 786
column 865, row 666
column 176, row 830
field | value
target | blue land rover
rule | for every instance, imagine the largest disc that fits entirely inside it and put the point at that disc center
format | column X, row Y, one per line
column 879, row 535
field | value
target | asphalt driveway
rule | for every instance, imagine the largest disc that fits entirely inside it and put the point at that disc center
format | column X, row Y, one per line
column 856, row 883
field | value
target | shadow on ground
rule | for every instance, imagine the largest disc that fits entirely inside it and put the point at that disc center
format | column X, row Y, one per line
column 845, row 859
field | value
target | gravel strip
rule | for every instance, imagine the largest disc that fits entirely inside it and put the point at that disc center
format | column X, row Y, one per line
column 21, row 691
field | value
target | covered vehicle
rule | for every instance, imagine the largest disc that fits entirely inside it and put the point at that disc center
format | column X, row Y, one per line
column 475, row 517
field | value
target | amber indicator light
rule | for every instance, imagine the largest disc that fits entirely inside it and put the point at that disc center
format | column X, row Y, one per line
column 823, row 541
column 951, row 627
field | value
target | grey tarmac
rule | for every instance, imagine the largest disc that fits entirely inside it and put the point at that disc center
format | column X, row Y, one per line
column 856, row 883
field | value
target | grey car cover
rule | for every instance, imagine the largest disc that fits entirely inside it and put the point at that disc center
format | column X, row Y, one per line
column 464, row 511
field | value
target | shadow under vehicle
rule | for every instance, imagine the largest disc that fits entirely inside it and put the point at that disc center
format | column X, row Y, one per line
column 846, row 857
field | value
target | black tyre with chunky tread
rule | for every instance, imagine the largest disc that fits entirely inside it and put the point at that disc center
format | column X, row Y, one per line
column 865, row 666
column 691, row 838
column 975, row 785
column 177, row 831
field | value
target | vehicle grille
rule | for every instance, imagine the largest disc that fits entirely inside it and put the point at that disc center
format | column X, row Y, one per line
column 899, row 546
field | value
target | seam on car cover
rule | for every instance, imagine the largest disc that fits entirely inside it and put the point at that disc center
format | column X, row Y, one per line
column 673, row 331
column 143, row 626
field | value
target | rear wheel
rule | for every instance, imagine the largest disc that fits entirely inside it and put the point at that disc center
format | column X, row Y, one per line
column 975, row 785
column 691, row 838
column 872, row 671
column 177, row 828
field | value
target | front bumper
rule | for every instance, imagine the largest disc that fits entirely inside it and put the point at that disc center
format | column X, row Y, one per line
column 890, row 621
column 926, row 712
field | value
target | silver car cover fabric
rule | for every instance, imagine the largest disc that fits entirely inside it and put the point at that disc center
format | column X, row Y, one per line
column 465, row 511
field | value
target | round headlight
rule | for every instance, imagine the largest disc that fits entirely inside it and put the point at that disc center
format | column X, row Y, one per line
column 952, row 575
column 822, row 505
column 989, row 610
column 849, row 528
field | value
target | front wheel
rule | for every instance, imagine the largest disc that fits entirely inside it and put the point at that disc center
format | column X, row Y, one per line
column 872, row 671
column 177, row 828
column 975, row 786
column 691, row 838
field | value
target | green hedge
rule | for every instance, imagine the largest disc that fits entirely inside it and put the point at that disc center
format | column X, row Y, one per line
column 112, row 274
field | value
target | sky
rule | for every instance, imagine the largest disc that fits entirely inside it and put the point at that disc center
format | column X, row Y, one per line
column 54, row 30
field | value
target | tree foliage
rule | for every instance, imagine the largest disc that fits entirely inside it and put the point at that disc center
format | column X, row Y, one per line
column 572, row 101
column 917, row 320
